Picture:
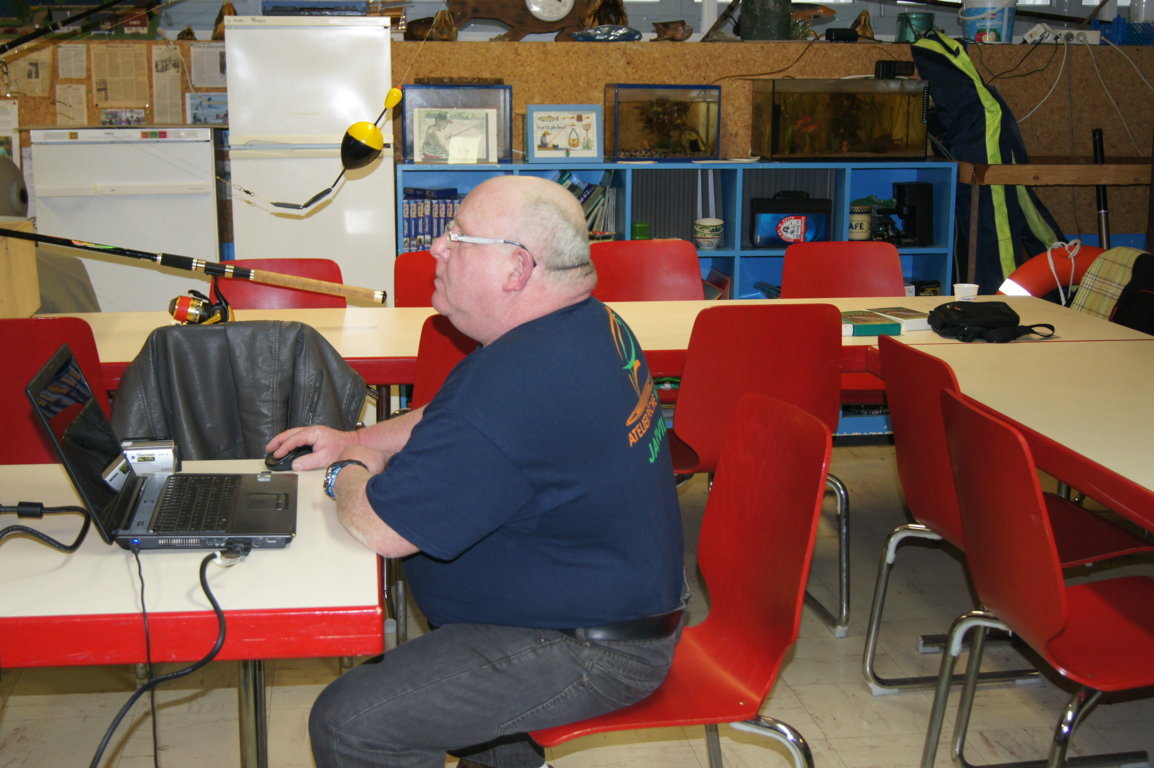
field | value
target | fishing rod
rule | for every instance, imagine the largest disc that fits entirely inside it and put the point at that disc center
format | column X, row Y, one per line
column 211, row 268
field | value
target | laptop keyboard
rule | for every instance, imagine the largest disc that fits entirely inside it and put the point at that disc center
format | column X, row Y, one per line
column 196, row 503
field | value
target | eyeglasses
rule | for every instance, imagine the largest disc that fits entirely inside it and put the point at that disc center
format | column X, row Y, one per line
column 456, row 237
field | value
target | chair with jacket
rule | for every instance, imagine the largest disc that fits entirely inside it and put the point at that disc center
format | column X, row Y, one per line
column 222, row 391
column 25, row 345
column 1097, row 633
column 245, row 294
column 763, row 508
column 915, row 382
column 789, row 351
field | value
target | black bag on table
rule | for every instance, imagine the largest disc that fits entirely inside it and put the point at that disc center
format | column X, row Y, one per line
column 992, row 321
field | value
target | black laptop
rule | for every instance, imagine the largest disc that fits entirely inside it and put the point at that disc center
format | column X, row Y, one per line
column 153, row 510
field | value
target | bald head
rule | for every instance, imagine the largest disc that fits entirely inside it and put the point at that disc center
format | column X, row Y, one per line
column 536, row 263
column 550, row 222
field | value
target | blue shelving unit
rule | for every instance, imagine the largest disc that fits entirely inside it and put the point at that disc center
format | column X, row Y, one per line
column 669, row 196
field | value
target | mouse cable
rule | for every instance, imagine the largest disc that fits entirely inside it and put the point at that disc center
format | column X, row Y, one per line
column 233, row 553
column 34, row 509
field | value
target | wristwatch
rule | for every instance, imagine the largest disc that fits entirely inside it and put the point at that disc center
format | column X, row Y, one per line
column 334, row 470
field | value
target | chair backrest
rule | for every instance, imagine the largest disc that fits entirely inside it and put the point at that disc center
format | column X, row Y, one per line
column 763, row 509
column 25, row 345
column 440, row 348
column 245, row 294
column 914, row 385
column 1010, row 547
column 646, row 270
column 413, row 274
column 841, row 269
column 790, row 351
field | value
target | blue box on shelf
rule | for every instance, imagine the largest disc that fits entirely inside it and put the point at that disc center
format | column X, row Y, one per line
column 663, row 122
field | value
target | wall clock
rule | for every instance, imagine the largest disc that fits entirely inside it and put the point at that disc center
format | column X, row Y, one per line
column 525, row 17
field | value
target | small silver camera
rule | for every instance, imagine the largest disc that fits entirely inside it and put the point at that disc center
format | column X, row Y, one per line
column 148, row 456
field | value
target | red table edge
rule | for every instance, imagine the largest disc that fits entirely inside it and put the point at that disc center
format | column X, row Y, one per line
column 59, row 641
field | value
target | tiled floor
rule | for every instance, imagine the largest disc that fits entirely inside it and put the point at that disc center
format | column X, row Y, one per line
column 56, row 717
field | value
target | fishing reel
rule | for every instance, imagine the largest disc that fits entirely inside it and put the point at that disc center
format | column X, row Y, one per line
column 198, row 309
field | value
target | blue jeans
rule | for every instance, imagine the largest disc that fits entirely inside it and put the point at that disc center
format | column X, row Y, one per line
column 475, row 690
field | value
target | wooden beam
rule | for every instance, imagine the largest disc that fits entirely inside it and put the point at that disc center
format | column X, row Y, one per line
column 1063, row 175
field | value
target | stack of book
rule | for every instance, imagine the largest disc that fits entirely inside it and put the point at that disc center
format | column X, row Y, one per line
column 598, row 201
column 883, row 321
column 425, row 213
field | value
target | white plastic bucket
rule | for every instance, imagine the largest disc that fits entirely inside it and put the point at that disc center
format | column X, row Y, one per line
column 987, row 21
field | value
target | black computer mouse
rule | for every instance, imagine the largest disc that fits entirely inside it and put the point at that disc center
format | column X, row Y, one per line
column 285, row 463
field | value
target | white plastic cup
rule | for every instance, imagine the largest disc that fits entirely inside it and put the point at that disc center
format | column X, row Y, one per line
column 708, row 233
column 965, row 291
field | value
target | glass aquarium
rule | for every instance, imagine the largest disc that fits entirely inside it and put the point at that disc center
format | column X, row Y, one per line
column 839, row 119
column 663, row 122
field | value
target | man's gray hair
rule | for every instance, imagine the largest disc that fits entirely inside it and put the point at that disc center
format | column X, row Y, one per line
column 552, row 219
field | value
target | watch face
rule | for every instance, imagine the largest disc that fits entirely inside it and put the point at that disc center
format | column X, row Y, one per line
column 549, row 10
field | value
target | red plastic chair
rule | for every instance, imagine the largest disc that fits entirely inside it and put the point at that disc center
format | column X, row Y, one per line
column 841, row 269
column 413, row 274
column 245, row 294
column 845, row 269
column 763, row 508
column 25, row 345
column 1099, row 634
column 646, row 270
column 790, row 351
column 914, row 384
column 440, row 348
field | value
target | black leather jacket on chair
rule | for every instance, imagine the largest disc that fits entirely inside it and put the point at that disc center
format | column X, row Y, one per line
column 222, row 391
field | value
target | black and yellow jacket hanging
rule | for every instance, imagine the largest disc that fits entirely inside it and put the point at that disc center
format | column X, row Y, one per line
column 976, row 126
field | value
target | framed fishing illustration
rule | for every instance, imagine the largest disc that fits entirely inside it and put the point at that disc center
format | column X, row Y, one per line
column 569, row 132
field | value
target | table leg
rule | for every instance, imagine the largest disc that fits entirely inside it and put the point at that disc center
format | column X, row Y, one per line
column 253, row 715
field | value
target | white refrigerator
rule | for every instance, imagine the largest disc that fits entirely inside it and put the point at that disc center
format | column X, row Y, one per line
column 295, row 85
column 148, row 189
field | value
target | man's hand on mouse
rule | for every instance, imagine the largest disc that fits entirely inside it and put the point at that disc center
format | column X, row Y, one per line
column 327, row 444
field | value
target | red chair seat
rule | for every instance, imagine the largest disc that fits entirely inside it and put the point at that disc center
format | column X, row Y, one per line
column 1090, row 651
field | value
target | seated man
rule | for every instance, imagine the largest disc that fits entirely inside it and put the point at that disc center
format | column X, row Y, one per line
column 533, row 498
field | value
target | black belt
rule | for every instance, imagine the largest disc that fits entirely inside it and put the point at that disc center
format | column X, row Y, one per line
column 645, row 628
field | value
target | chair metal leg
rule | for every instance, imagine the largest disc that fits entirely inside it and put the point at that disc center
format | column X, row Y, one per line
column 713, row 745
column 782, row 732
column 840, row 623
column 962, row 625
column 1076, row 710
column 395, row 602
column 882, row 685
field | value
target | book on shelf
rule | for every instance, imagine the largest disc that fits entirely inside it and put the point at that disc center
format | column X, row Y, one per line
column 910, row 319
column 864, row 322
column 426, row 213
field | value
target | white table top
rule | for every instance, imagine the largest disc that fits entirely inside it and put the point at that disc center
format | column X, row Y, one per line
column 392, row 332
column 323, row 567
column 1092, row 397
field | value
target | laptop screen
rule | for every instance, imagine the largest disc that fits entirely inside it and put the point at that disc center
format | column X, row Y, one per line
column 87, row 444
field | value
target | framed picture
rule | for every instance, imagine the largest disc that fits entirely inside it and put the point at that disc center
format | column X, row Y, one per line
column 455, row 135
column 569, row 132
column 457, row 124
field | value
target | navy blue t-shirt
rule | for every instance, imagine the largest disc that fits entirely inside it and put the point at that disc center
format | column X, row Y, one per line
column 538, row 485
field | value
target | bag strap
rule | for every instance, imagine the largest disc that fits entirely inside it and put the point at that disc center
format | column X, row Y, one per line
column 1011, row 332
